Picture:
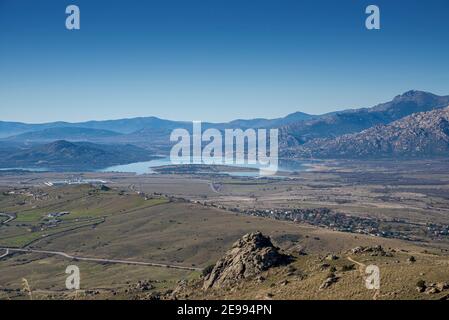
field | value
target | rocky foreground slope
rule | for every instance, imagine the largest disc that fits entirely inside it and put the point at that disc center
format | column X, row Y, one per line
column 255, row 269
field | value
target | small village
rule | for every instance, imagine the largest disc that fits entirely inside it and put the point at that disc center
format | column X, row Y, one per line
column 326, row 218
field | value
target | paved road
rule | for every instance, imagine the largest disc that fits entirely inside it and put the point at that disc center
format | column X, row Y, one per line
column 65, row 255
column 9, row 216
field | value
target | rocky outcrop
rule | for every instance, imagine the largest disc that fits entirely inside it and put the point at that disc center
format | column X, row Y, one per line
column 431, row 288
column 249, row 256
column 372, row 251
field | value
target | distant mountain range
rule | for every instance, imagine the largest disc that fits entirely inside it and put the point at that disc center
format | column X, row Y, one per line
column 123, row 126
column 385, row 130
column 421, row 135
column 150, row 133
column 64, row 133
column 352, row 121
column 132, row 126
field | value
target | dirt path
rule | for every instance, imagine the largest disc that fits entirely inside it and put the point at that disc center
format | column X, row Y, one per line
column 362, row 265
column 214, row 188
column 76, row 258
column 5, row 254
column 362, row 268
column 9, row 216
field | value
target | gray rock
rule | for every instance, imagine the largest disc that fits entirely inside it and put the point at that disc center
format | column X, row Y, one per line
column 431, row 290
column 442, row 286
column 328, row 282
column 248, row 257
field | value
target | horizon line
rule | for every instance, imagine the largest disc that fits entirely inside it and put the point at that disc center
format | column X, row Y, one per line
column 206, row 121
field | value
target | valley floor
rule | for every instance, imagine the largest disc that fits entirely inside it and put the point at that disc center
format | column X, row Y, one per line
column 166, row 221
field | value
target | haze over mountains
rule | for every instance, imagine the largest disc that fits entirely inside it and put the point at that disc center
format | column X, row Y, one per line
column 403, row 127
column 69, row 133
column 64, row 155
column 134, row 125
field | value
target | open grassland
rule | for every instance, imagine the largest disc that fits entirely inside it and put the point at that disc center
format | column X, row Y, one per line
column 46, row 277
column 154, row 230
column 163, row 219
column 85, row 207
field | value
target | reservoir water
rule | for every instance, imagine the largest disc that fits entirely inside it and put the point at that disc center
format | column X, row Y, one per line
column 147, row 167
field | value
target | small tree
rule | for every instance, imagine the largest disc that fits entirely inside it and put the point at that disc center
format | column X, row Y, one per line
column 421, row 284
column 206, row 271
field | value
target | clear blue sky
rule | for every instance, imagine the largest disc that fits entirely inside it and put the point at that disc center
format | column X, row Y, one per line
column 215, row 60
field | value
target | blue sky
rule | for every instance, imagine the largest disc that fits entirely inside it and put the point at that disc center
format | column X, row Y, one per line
column 215, row 60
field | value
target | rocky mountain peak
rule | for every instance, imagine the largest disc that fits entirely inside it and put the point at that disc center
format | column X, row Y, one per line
column 249, row 256
column 417, row 96
column 255, row 240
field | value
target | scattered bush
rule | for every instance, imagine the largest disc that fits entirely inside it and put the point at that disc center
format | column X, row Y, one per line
column 421, row 284
column 348, row 267
column 208, row 270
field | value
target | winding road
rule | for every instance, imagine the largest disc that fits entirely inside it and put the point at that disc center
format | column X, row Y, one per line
column 65, row 255
column 215, row 187
column 5, row 254
column 9, row 216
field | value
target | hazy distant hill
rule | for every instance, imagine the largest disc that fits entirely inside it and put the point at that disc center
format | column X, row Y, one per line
column 424, row 134
column 124, row 126
column 64, row 133
column 153, row 134
column 66, row 155
column 351, row 121
column 135, row 125
column 150, row 133
column 270, row 123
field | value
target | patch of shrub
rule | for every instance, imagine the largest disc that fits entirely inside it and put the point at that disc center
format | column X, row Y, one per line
column 348, row 267
column 206, row 271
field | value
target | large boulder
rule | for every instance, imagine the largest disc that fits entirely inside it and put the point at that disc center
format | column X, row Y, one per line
column 249, row 256
column 373, row 251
